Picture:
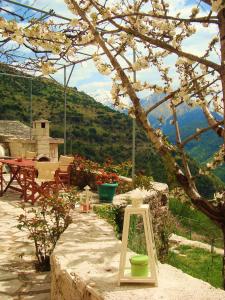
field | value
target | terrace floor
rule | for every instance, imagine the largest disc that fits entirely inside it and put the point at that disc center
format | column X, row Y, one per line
column 18, row 278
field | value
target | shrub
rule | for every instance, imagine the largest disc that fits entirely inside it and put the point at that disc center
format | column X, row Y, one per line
column 124, row 168
column 142, row 181
column 124, row 186
column 84, row 172
column 106, row 177
column 45, row 223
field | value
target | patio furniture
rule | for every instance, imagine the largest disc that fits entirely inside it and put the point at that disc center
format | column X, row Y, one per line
column 65, row 167
column 44, row 182
column 31, row 179
column 17, row 169
column 1, row 176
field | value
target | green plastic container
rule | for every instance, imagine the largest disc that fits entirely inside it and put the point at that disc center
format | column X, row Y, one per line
column 106, row 192
column 139, row 266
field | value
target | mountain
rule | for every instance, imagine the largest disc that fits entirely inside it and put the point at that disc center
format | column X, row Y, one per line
column 189, row 119
column 208, row 142
column 163, row 111
column 93, row 130
column 103, row 97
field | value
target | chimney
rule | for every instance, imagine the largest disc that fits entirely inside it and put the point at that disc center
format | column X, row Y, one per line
column 40, row 133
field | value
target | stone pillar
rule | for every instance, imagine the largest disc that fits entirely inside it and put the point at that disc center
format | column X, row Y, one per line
column 40, row 129
column 40, row 133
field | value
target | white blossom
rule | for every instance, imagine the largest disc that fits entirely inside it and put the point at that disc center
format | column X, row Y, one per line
column 47, row 68
column 74, row 22
column 195, row 11
column 141, row 63
column 217, row 5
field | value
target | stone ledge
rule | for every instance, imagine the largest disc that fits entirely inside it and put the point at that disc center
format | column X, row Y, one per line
column 85, row 267
column 159, row 191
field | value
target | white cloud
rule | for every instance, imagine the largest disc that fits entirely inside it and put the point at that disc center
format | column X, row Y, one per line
column 92, row 86
column 59, row 6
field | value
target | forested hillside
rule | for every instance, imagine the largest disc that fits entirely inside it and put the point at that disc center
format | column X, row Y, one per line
column 93, row 130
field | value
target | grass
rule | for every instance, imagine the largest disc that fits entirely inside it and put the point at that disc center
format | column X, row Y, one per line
column 198, row 263
column 193, row 224
column 136, row 236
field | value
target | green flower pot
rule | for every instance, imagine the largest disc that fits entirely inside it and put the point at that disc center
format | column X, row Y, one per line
column 139, row 266
column 106, row 192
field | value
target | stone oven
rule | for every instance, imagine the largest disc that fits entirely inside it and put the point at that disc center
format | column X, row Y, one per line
column 19, row 142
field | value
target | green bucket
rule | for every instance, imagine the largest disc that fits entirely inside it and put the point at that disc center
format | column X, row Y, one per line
column 106, row 192
column 139, row 266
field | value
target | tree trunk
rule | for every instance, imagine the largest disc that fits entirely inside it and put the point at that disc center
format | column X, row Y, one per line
column 223, row 265
column 222, row 44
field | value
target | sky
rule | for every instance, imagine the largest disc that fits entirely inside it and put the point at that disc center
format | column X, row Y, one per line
column 86, row 77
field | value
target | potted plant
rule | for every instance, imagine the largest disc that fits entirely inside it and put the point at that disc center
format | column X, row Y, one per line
column 107, row 184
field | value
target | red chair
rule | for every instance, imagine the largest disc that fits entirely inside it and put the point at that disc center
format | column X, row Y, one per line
column 43, row 181
column 64, row 171
column 1, row 179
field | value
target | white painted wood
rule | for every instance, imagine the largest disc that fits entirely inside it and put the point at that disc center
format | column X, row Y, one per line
column 144, row 211
column 126, row 224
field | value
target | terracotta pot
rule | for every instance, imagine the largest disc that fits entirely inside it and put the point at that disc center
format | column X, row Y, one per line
column 84, row 207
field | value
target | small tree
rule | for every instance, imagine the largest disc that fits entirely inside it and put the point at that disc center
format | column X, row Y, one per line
column 45, row 223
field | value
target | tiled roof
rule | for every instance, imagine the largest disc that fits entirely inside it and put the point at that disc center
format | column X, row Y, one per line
column 14, row 129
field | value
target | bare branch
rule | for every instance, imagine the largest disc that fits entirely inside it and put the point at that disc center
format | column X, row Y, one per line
column 168, row 47
column 216, row 125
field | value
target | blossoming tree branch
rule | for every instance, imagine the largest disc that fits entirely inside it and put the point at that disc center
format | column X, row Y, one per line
column 109, row 32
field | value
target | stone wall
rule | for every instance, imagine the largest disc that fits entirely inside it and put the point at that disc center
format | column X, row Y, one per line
column 86, row 259
column 85, row 267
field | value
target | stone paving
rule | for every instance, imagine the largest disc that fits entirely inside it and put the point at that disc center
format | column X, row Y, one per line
column 18, row 278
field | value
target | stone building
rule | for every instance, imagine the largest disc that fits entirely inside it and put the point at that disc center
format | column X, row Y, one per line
column 16, row 139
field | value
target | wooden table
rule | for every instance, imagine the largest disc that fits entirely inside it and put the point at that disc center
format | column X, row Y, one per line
column 23, row 176
column 17, row 170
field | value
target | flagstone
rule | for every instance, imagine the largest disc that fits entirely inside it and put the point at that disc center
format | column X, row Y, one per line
column 10, row 286
column 44, row 287
column 18, row 278
column 43, row 296
column 5, row 297
column 2, row 257
column 5, row 275
column 37, row 277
